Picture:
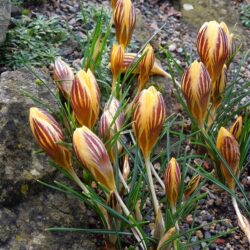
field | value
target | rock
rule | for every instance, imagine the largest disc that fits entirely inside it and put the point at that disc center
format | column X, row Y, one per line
column 5, row 13
column 23, row 228
column 172, row 47
column 188, row 7
column 20, row 166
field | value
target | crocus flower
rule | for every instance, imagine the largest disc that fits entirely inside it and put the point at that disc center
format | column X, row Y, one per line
column 213, row 48
column 172, row 182
column 229, row 149
column 236, row 128
column 63, row 76
column 92, row 153
column 48, row 135
column 113, row 4
column 148, row 119
column 85, row 98
column 192, row 185
column 111, row 122
column 196, row 88
column 116, row 60
column 146, row 66
column 124, row 20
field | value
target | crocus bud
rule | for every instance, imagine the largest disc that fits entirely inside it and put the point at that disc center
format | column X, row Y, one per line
column 116, row 60
column 130, row 58
column 229, row 149
column 192, row 185
column 213, row 48
column 218, row 88
column 48, row 135
column 236, row 128
column 148, row 119
column 124, row 19
column 92, row 153
column 63, row 76
column 85, row 98
column 111, row 122
column 196, row 88
column 172, row 182
column 146, row 65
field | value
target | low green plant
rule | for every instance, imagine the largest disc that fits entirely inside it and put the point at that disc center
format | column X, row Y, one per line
column 245, row 15
column 32, row 41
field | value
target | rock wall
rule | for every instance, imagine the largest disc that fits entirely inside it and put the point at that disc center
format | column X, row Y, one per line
column 5, row 11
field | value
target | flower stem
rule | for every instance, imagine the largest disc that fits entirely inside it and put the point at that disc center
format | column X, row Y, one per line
column 136, row 231
column 157, row 176
column 79, row 182
column 152, row 190
column 123, row 181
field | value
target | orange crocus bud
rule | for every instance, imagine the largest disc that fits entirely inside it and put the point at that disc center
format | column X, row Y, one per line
column 116, row 60
column 63, row 76
column 213, row 48
column 146, row 66
column 113, row 4
column 92, row 153
column 111, row 122
column 124, row 19
column 236, row 128
column 85, row 98
column 172, row 182
column 218, row 88
column 148, row 119
column 229, row 149
column 196, row 88
column 48, row 135
column 192, row 185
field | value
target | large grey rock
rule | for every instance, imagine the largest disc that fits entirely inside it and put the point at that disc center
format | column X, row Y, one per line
column 19, row 165
column 5, row 12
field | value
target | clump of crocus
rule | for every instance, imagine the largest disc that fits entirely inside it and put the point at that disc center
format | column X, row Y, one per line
column 148, row 119
column 124, row 20
column 48, row 135
column 111, row 123
column 213, row 48
column 116, row 61
column 230, row 151
column 92, row 153
column 85, row 98
column 172, row 182
column 236, row 128
column 196, row 88
column 145, row 67
column 63, row 76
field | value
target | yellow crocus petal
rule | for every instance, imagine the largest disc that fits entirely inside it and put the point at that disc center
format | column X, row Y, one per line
column 196, row 88
column 124, row 19
column 148, row 119
column 116, row 60
column 63, row 76
column 85, row 98
column 236, row 128
column 229, row 149
column 113, row 4
column 146, row 65
column 213, row 48
column 110, row 123
column 172, row 182
column 218, row 88
column 92, row 153
column 48, row 135
column 192, row 185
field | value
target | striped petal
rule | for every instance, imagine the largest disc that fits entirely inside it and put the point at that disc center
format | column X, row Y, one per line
column 236, row 128
column 92, row 153
column 196, row 88
column 148, row 119
column 124, row 19
column 172, row 182
column 63, row 76
column 85, row 98
column 48, row 134
column 213, row 48
column 229, row 149
column 192, row 185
